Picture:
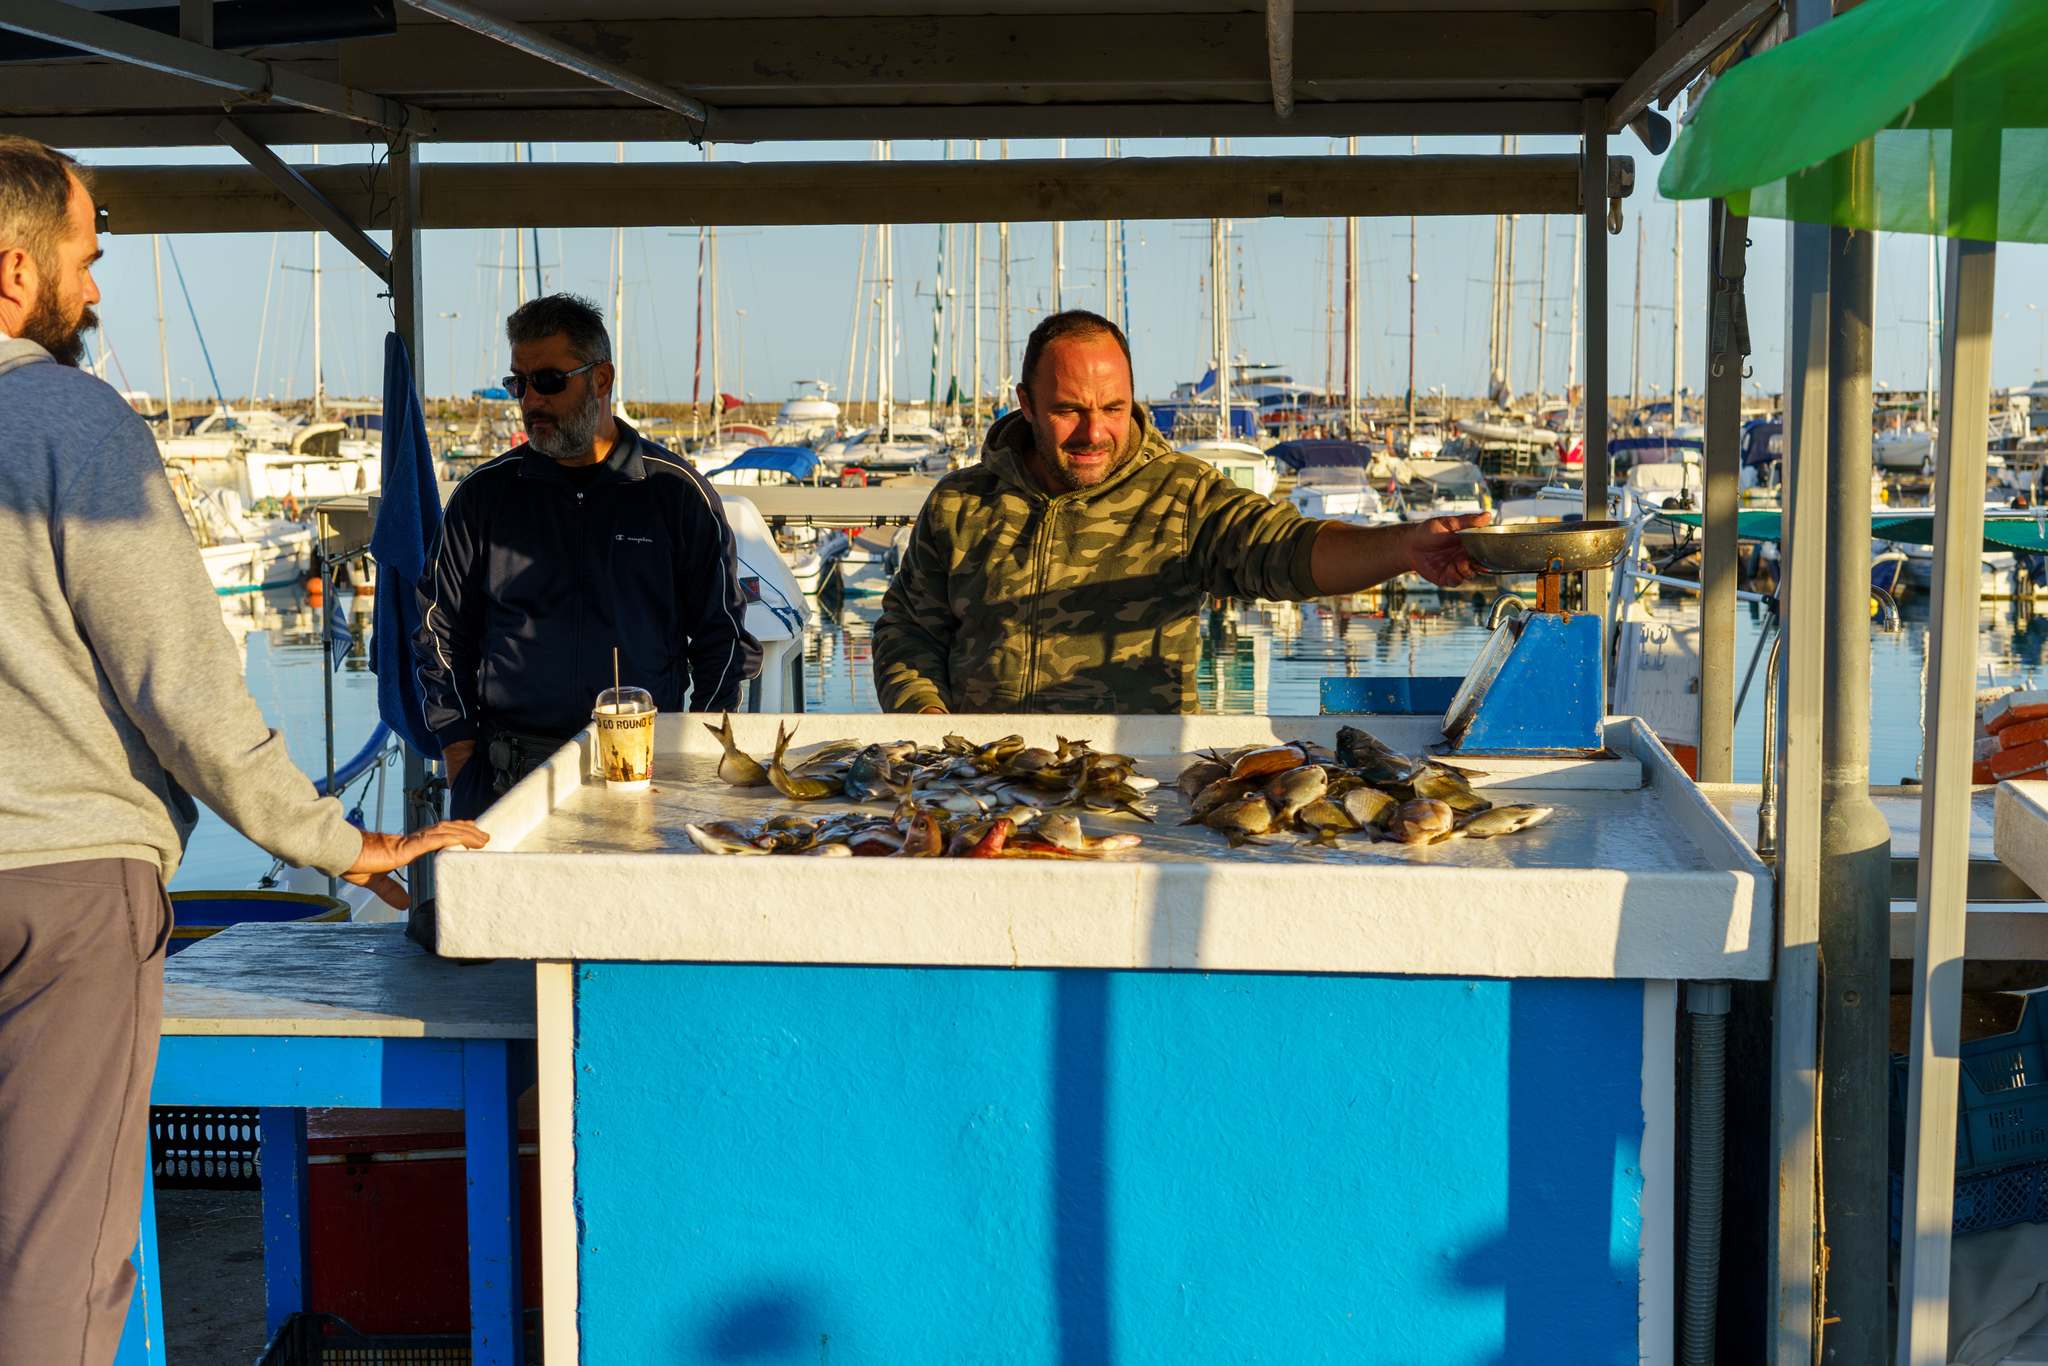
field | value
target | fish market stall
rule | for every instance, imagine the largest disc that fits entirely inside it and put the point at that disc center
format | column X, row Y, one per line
column 1355, row 1079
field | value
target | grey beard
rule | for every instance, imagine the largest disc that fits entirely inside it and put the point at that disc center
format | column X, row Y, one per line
column 575, row 434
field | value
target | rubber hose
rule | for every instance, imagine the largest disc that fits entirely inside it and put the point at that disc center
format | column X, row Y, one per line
column 1701, row 1286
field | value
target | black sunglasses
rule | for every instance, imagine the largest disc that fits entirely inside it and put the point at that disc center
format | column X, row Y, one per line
column 548, row 382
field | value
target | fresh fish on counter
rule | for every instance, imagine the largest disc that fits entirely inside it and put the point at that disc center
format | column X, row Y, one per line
column 1423, row 820
column 1294, row 789
column 1325, row 820
column 1362, row 787
column 1238, row 821
column 797, row 787
column 737, row 767
column 1502, row 820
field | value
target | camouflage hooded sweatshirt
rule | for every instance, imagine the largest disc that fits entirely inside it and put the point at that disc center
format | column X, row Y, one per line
column 1012, row 600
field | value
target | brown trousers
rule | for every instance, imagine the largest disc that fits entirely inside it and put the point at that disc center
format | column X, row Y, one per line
column 81, row 1001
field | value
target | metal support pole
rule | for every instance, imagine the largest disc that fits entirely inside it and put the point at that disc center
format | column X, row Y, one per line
column 1727, row 350
column 1593, row 204
column 1795, row 1051
column 1855, row 851
column 1928, row 1217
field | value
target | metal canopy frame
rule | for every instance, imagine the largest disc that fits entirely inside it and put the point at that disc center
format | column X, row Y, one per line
column 269, row 196
column 722, row 70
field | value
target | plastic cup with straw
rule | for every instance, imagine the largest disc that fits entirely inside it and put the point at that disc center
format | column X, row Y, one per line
column 625, row 734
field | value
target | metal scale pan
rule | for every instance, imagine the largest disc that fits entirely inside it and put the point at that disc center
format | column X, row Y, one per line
column 1553, row 701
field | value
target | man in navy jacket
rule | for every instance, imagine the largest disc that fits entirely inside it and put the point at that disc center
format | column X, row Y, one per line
column 587, row 539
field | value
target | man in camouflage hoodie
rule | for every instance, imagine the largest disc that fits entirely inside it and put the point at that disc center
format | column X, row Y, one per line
column 1064, row 572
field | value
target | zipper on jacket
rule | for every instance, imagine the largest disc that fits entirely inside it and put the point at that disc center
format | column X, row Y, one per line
column 577, row 519
column 1041, row 564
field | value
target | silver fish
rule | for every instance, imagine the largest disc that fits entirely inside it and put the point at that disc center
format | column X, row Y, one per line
column 1064, row 830
column 1199, row 775
column 712, row 844
column 1294, row 789
column 1370, row 808
column 1422, row 821
column 1502, row 820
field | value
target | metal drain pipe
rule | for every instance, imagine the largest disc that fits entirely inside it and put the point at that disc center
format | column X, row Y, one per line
column 1706, row 1140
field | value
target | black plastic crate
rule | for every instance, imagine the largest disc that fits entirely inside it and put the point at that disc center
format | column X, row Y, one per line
column 205, row 1148
column 307, row 1339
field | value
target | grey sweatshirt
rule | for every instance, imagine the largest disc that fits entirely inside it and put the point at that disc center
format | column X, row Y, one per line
column 120, row 686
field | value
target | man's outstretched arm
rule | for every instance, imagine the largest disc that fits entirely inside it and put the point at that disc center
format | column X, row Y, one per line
column 1351, row 559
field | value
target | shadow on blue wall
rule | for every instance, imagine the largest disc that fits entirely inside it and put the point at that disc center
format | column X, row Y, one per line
column 1574, row 1181
column 1080, row 1166
column 773, row 1325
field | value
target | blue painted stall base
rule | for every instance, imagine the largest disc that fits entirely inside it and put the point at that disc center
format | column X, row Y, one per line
column 2004, row 1100
column 2017, row 1195
column 1388, row 695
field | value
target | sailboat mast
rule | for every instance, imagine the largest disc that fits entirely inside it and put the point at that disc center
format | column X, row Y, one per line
column 1352, row 360
column 319, row 375
column 1332, row 376
column 1005, row 379
column 888, row 347
column 156, row 256
column 1542, row 318
column 1219, row 308
column 1926, row 403
column 1059, row 253
column 519, row 241
column 1677, row 314
column 619, row 311
column 1412, row 278
column 717, row 383
column 697, row 368
column 1571, row 350
column 1635, row 334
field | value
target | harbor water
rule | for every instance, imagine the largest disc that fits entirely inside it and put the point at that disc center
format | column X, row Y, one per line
column 1257, row 658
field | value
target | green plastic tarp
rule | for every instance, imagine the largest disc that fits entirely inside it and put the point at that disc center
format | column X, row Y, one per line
column 1926, row 116
column 2000, row 533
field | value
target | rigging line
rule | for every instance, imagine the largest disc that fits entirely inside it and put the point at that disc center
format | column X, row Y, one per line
column 195, row 321
column 263, row 323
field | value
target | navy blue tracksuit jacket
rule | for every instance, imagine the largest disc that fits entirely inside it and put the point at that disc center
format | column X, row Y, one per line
column 531, row 583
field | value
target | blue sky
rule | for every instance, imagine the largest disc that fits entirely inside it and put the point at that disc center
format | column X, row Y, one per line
column 798, row 288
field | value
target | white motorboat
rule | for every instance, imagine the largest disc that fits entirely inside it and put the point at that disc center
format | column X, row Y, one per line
column 902, row 446
column 864, row 566
column 257, row 454
column 1340, row 493
column 1444, row 488
column 808, row 419
column 1907, row 448
column 242, row 554
column 776, row 611
column 1242, row 463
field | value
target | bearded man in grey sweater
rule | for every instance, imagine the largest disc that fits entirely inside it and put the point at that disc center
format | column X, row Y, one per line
column 121, row 700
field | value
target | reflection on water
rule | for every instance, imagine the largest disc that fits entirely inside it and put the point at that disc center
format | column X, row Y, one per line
column 1256, row 658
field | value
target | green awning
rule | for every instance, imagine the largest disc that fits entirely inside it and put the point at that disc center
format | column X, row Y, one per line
column 2001, row 533
column 1926, row 116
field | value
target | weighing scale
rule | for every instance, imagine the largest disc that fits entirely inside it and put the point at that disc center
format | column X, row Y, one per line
column 1538, row 686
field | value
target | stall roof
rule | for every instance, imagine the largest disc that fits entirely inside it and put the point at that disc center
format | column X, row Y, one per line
column 661, row 70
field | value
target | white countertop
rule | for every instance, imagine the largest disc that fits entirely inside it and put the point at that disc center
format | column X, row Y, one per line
column 1634, row 876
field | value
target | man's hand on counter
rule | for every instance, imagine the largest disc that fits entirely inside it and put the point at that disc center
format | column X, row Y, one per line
column 382, row 853
column 456, row 754
column 1351, row 559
